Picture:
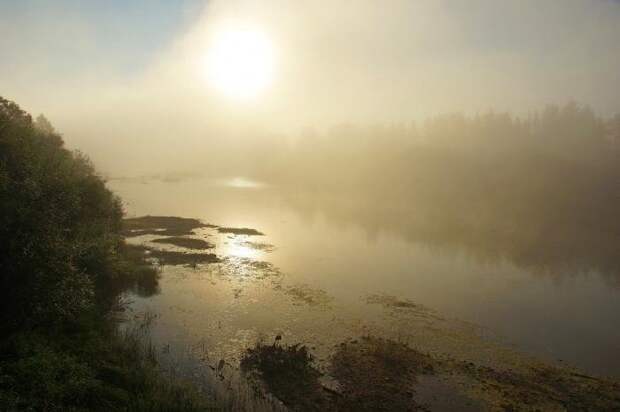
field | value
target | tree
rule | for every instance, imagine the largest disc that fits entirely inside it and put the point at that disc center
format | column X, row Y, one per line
column 59, row 224
column 44, row 125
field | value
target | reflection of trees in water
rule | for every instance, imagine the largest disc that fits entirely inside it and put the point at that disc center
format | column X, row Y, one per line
column 552, row 246
column 543, row 193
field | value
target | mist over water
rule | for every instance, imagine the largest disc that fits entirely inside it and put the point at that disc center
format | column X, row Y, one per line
column 503, row 221
column 491, row 220
column 438, row 178
column 358, row 62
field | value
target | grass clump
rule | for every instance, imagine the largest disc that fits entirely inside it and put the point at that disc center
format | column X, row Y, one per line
column 288, row 373
column 240, row 231
column 169, row 257
column 161, row 225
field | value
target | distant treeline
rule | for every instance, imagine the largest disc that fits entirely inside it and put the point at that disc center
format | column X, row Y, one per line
column 571, row 133
column 541, row 191
column 63, row 267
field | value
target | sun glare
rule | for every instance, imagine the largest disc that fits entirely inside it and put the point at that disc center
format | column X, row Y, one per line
column 240, row 62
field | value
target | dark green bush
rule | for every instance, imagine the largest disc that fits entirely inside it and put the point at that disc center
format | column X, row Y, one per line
column 59, row 226
column 63, row 266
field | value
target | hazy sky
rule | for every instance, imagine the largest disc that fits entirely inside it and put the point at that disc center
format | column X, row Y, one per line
column 44, row 41
column 133, row 72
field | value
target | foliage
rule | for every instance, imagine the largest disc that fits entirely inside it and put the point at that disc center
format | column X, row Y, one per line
column 103, row 373
column 63, row 266
column 59, row 226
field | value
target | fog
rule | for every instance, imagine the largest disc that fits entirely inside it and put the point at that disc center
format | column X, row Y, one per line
column 310, row 204
column 401, row 105
column 360, row 62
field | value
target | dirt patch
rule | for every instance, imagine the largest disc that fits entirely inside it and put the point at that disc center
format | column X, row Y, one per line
column 161, row 225
column 186, row 242
column 240, row 231
column 377, row 374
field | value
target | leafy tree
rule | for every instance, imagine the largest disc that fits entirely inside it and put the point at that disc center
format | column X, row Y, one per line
column 63, row 263
column 44, row 125
column 59, row 225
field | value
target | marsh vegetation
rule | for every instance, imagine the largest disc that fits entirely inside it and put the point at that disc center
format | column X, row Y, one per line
column 185, row 242
column 377, row 374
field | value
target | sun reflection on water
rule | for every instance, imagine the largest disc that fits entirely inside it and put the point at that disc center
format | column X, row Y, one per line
column 239, row 250
column 240, row 182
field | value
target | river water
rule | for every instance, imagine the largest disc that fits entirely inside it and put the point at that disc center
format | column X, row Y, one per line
column 330, row 268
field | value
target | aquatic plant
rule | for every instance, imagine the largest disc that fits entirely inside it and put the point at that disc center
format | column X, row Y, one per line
column 288, row 373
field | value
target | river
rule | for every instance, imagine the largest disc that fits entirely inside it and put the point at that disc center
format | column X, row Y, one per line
column 331, row 268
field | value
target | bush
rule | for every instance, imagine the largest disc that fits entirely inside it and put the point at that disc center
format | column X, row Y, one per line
column 63, row 266
column 59, row 226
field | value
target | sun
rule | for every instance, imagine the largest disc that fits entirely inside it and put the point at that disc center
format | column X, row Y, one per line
column 240, row 62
